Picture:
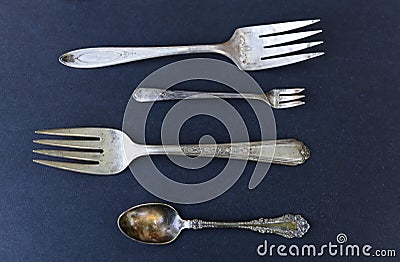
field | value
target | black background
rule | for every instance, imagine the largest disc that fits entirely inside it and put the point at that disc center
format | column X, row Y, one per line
column 350, row 184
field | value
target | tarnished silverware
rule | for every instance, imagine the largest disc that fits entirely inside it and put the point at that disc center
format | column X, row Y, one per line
column 110, row 151
column 276, row 98
column 250, row 48
column 156, row 223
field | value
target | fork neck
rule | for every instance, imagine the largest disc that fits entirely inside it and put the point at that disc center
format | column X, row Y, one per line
column 192, row 49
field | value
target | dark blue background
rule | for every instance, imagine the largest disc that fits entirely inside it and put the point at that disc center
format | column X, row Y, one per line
column 350, row 184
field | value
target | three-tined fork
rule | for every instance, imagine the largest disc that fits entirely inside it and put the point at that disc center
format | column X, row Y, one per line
column 276, row 98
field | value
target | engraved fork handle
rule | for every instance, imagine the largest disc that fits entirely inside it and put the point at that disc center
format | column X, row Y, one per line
column 154, row 94
column 107, row 56
column 289, row 226
column 289, row 152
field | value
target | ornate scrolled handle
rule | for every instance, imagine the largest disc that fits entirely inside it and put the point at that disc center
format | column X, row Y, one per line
column 289, row 152
column 289, row 226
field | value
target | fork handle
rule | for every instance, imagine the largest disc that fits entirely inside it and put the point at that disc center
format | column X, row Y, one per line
column 289, row 152
column 107, row 56
column 154, row 94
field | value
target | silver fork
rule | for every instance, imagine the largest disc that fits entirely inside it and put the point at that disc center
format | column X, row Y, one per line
column 110, row 151
column 276, row 98
column 250, row 48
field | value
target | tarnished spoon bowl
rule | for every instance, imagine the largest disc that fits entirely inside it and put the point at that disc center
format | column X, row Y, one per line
column 151, row 223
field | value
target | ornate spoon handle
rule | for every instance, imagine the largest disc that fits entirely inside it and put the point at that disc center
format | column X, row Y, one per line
column 289, row 152
column 289, row 226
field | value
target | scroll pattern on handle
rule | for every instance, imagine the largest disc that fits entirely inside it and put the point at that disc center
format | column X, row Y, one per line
column 289, row 226
column 285, row 151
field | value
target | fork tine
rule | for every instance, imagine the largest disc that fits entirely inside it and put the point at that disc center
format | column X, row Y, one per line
column 289, row 91
column 74, row 132
column 282, row 61
column 290, row 104
column 281, row 50
column 83, row 168
column 280, row 27
column 88, row 156
column 82, row 144
column 280, row 39
column 290, row 98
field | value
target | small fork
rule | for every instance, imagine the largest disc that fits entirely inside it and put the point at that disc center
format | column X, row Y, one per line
column 276, row 98
column 106, row 151
column 250, row 48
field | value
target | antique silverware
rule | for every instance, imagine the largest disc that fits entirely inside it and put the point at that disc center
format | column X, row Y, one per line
column 276, row 98
column 250, row 48
column 110, row 151
column 156, row 223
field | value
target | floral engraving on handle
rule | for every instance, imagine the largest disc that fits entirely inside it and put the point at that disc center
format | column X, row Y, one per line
column 145, row 95
column 199, row 224
column 219, row 150
column 305, row 152
column 289, row 226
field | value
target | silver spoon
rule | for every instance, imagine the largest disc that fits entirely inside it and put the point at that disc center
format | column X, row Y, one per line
column 156, row 223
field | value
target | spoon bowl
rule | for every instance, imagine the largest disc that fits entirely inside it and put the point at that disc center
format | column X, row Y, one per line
column 152, row 223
